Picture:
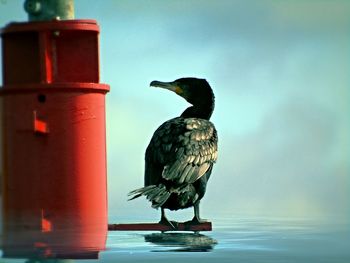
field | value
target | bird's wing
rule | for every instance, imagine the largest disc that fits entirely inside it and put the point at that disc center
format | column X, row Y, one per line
column 187, row 148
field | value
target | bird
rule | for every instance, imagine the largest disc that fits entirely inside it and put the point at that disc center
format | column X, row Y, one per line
column 180, row 156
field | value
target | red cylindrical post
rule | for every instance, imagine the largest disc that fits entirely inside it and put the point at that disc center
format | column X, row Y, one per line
column 53, row 138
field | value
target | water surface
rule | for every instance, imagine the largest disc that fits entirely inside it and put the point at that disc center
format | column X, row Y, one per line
column 248, row 239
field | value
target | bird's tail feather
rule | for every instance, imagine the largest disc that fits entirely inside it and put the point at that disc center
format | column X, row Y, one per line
column 157, row 194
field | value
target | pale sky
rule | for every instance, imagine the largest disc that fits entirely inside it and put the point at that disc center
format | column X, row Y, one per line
column 280, row 73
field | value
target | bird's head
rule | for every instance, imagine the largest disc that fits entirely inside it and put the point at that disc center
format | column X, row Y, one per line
column 193, row 90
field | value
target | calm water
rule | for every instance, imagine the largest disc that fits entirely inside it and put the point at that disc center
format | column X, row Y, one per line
column 234, row 240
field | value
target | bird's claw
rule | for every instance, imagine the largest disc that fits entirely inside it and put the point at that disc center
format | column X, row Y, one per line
column 173, row 224
column 195, row 221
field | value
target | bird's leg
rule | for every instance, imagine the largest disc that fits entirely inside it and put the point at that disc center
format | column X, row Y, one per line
column 165, row 221
column 196, row 219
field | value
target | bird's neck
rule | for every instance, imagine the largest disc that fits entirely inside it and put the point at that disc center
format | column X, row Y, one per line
column 202, row 110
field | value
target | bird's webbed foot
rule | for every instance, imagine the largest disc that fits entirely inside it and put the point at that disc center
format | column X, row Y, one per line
column 164, row 221
column 172, row 224
column 196, row 221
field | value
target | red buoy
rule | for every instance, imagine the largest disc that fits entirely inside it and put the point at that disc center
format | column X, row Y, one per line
column 53, row 138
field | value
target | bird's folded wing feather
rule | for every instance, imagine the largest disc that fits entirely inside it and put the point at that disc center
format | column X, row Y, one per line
column 190, row 146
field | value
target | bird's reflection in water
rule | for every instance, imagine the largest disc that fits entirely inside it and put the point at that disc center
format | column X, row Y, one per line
column 181, row 242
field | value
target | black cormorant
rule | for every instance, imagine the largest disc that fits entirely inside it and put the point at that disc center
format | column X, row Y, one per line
column 180, row 156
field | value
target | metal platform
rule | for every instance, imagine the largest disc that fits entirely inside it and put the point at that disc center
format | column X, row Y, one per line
column 159, row 227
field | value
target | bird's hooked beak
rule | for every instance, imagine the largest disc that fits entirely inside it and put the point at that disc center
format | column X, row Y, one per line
column 173, row 86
